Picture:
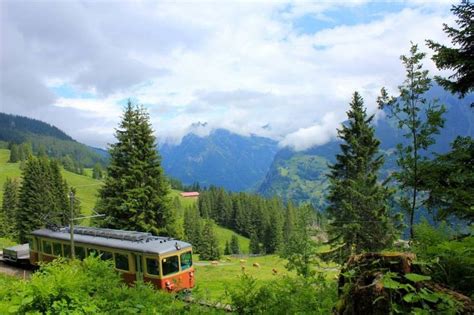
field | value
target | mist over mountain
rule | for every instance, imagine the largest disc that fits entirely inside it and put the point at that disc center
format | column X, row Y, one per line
column 301, row 175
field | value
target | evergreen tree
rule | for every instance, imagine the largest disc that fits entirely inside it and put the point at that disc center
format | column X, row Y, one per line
column 14, row 153
column 43, row 197
column 97, row 171
column 193, row 227
column 459, row 58
column 227, row 250
column 449, row 181
column 420, row 119
column 234, row 246
column 301, row 249
column 254, row 246
column 209, row 243
column 357, row 202
column 289, row 223
column 135, row 195
column 9, row 208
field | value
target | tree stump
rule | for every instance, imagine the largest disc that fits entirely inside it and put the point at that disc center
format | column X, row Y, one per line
column 362, row 290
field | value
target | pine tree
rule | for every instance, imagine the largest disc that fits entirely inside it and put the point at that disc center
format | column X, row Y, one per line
column 458, row 58
column 420, row 119
column 358, row 204
column 97, row 171
column 9, row 208
column 254, row 246
column 301, row 249
column 449, row 182
column 43, row 197
column 193, row 227
column 234, row 245
column 209, row 243
column 14, row 154
column 135, row 195
column 227, row 250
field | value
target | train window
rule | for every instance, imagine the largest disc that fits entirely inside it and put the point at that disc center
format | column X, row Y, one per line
column 106, row 255
column 80, row 252
column 67, row 250
column 121, row 262
column 170, row 265
column 47, row 248
column 186, row 260
column 152, row 266
column 57, row 249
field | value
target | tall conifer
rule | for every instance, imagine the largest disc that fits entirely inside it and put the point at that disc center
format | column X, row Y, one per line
column 9, row 208
column 43, row 197
column 357, row 201
column 135, row 195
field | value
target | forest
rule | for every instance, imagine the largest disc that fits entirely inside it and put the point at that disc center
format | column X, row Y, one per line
column 364, row 252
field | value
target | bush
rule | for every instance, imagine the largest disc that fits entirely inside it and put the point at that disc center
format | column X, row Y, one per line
column 313, row 295
column 88, row 287
column 450, row 258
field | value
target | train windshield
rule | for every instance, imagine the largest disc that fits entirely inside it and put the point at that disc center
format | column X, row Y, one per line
column 186, row 260
column 170, row 265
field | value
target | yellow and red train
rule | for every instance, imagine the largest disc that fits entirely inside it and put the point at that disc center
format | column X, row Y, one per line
column 164, row 262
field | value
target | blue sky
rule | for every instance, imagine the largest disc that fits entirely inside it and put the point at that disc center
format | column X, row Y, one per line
column 284, row 70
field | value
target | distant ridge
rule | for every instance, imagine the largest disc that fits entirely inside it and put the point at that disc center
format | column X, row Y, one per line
column 19, row 129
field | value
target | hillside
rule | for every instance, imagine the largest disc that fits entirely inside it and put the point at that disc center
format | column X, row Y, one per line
column 222, row 158
column 87, row 187
column 300, row 176
column 41, row 135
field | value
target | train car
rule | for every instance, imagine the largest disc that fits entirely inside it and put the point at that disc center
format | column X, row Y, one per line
column 18, row 254
column 164, row 262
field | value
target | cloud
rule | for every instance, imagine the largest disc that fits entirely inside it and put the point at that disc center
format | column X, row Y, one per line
column 239, row 65
column 321, row 133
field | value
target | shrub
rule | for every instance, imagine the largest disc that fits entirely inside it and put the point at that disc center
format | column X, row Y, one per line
column 88, row 287
column 285, row 295
column 450, row 258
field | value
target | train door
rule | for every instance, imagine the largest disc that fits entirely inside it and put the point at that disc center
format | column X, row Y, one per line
column 138, row 266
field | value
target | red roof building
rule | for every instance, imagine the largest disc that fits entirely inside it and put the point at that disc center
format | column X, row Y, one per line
column 191, row 194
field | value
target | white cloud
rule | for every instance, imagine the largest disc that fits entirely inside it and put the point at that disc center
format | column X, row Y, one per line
column 239, row 65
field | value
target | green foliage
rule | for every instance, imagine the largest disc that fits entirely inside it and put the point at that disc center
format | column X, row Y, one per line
column 97, row 172
column 254, row 245
column 209, row 247
column 314, row 295
column 420, row 119
column 246, row 214
column 406, row 296
column 88, row 287
column 135, row 195
column 458, row 58
column 9, row 209
column 43, row 197
column 450, row 256
column 449, row 181
column 301, row 248
column 358, row 203
column 234, row 246
column 44, row 139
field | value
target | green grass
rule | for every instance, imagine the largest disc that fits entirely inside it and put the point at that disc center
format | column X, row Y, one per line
column 4, row 242
column 212, row 281
column 224, row 235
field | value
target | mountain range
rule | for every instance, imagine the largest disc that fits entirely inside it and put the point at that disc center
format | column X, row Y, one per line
column 247, row 163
